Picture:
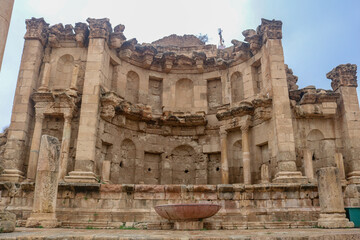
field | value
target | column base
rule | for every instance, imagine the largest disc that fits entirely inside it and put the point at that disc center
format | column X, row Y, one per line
column 81, row 177
column 354, row 177
column 289, row 177
column 334, row 220
column 46, row 220
column 12, row 175
column 191, row 225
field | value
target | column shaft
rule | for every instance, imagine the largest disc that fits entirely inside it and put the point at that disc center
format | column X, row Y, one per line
column 5, row 16
column 65, row 147
column 35, row 146
column 308, row 164
column 246, row 155
column 224, row 159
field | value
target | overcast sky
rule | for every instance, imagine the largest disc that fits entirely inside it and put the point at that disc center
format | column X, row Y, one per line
column 317, row 35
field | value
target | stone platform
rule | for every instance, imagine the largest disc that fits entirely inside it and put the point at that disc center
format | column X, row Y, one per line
column 102, row 234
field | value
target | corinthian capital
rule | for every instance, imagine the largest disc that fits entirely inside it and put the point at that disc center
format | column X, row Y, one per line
column 343, row 75
column 36, row 28
column 99, row 28
column 270, row 29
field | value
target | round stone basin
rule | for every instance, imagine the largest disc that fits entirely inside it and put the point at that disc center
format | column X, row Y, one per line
column 187, row 212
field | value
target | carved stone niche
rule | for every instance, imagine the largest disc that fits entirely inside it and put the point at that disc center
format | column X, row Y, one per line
column 270, row 29
column 343, row 75
column 37, row 28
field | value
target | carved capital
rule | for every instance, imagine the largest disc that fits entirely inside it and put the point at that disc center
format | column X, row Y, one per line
column 68, row 117
column 81, row 33
column 270, row 29
column 245, row 128
column 99, row 28
column 36, row 28
column 343, row 75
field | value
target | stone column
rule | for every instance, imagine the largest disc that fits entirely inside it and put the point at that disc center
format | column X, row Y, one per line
column 46, row 185
column 246, row 154
column 331, row 200
column 97, row 60
column 224, row 158
column 65, row 146
column 35, row 146
column 344, row 81
column 23, row 109
column 105, row 173
column 5, row 16
column 45, row 78
column 308, row 164
column 283, row 139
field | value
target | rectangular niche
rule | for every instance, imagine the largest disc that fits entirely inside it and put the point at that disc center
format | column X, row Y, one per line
column 257, row 76
column 152, row 168
column 214, row 168
column 155, row 94
column 214, row 94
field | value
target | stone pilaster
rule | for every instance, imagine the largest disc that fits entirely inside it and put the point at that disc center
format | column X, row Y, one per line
column 344, row 81
column 23, row 111
column 224, row 157
column 283, row 131
column 100, row 30
column 331, row 200
column 46, row 185
column 35, row 146
column 65, row 146
column 246, row 154
column 5, row 16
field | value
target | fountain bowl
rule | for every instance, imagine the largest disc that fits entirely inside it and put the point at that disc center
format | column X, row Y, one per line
column 188, row 211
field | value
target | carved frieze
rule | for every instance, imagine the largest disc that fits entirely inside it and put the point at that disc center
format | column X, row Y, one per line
column 270, row 29
column 59, row 33
column 117, row 38
column 81, row 34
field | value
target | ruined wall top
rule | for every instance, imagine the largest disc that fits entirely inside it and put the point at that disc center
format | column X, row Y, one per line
column 180, row 41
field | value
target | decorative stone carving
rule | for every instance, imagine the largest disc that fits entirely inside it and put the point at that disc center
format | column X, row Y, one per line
column 343, row 75
column 117, row 37
column 46, row 185
column 254, row 39
column 37, row 28
column 99, row 28
column 58, row 33
column 81, row 34
column 270, row 29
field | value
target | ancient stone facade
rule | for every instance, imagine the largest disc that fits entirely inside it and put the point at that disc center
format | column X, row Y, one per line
column 177, row 121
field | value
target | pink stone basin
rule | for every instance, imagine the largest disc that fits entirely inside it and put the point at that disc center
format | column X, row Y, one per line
column 187, row 212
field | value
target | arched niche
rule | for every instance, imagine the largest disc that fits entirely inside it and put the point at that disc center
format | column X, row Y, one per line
column 236, row 163
column 183, row 165
column 322, row 150
column 64, row 71
column 184, row 94
column 237, row 87
column 123, row 168
column 132, row 87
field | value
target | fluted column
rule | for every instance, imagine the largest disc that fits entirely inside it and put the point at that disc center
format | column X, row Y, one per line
column 224, row 158
column 45, row 78
column 246, row 154
column 35, row 146
column 65, row 146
